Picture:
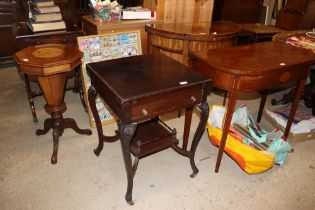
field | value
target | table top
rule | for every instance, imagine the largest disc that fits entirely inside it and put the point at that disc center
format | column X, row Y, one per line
column 255, row 59
column 136, row 77
column 47, row 59
column 194, row 31
column 259, row 28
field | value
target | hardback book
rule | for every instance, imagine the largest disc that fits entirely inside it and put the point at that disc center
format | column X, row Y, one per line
column 46, row 9
column 45, row 17
column 137, row 13
column 46, row 26
column 43, row 3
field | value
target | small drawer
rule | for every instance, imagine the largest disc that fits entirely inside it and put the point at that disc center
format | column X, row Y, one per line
column 166, row 104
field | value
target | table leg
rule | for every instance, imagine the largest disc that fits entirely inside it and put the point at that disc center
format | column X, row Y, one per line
column 126, row 133
column 48, row 124
column 226, row 125
column 204, row 109
column 256, row 38
column 70, row 123
column 58, row 124
column 79, row 88
column 57, row 132
column 188, row 116
column 224, row 97
column 101, row 138
column 30, row 97
column 92, row 97
column 262, row 105
column 53, row 90
column 297, row 97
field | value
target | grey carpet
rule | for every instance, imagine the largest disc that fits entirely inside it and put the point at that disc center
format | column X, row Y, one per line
column 81, row 180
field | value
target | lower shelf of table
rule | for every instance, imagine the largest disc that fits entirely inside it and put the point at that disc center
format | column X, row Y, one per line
column 151, row 137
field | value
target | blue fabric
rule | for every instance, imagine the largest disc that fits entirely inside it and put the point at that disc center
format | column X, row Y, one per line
column 278, row 146
column 281, row 149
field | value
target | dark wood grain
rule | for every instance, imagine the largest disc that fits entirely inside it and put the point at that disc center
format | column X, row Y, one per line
column 8, row 28
column 145, row 76
column 240, row 11
column 139, row 89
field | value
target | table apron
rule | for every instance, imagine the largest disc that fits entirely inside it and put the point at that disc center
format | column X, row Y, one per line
column 150, row 106
column 252, row 83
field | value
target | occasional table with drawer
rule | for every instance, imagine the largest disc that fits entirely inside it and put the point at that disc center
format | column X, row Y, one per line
column 138, row 90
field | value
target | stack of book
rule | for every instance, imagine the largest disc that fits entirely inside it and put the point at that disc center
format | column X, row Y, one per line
column 46, row 16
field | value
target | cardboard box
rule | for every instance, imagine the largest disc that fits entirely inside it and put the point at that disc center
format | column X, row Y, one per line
column 292, row 137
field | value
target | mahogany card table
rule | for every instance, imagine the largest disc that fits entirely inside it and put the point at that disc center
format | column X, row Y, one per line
column 254, row 68
column 138, row 90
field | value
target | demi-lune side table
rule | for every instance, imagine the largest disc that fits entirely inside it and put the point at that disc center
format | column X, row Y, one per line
column 176, row 40
column 50, row 63
column 254, row 68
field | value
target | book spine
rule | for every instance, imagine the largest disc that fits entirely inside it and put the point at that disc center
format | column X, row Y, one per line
column 47, row 17
column 49, row 26
column 44, row 10
column 42, row 4
column 138, row 15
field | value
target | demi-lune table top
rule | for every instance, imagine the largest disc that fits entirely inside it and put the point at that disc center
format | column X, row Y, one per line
column 194, row 31
column 255, row 59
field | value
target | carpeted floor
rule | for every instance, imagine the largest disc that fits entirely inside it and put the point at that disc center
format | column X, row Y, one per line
column 81, row 180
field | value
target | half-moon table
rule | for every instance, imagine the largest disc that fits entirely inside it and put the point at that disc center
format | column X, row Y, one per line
column 51, row 63
column 177, row 40
column 253, row 68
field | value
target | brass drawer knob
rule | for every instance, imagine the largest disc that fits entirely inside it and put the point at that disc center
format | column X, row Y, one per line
column 144, row 112
column 193, row 98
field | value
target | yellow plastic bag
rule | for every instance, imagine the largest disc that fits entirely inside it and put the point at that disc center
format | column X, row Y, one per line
column 249, row 159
